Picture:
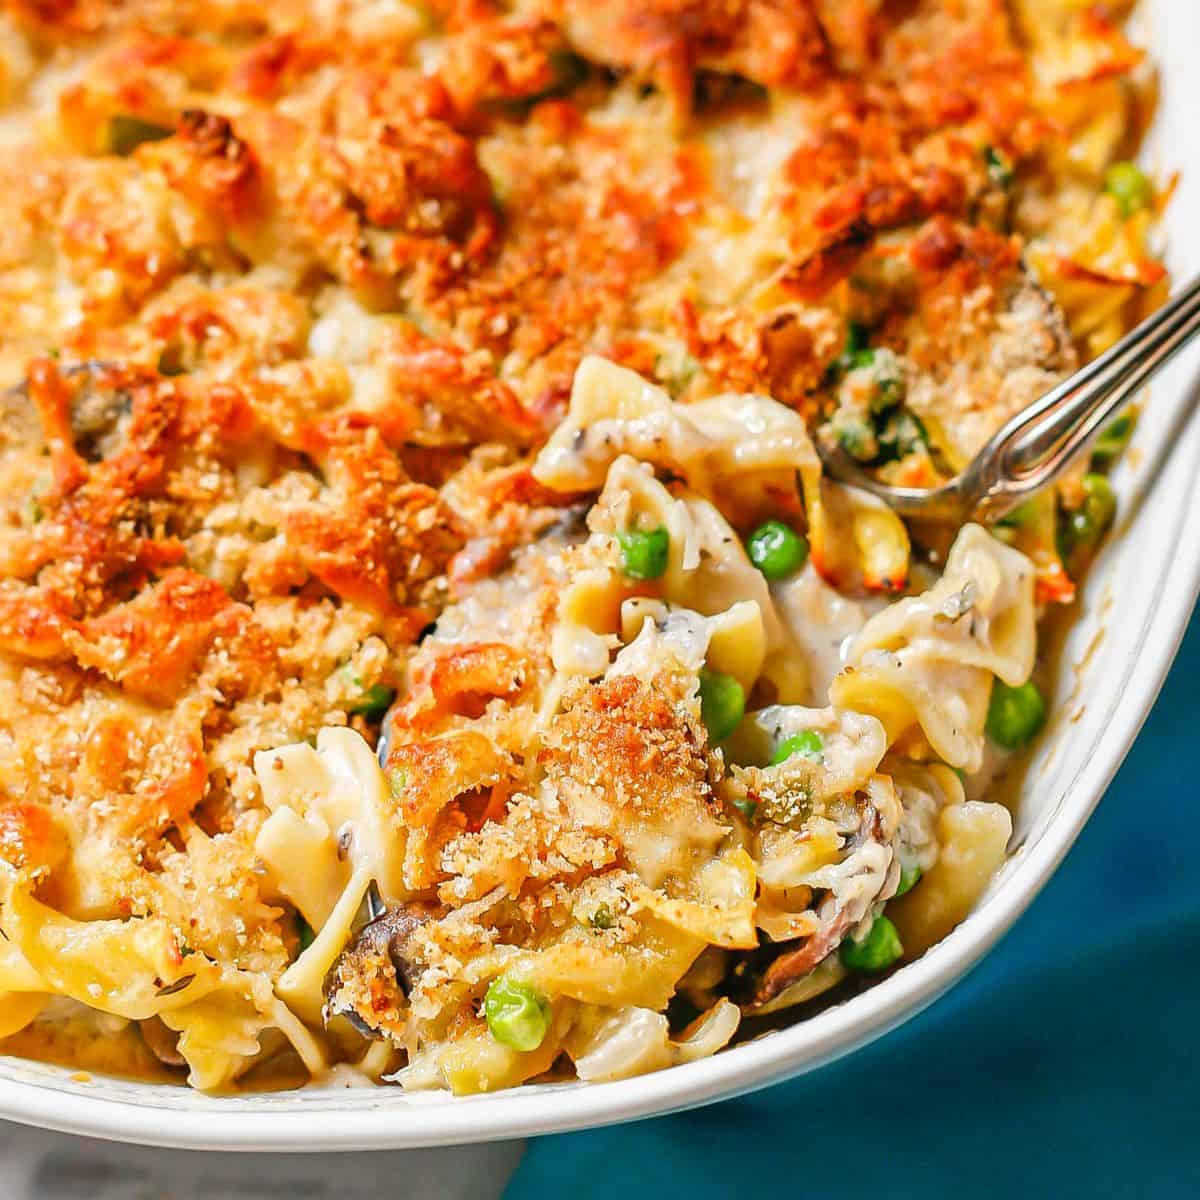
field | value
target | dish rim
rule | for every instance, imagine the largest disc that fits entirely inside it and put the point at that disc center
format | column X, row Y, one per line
column 391, row 1119
column 399, row 1121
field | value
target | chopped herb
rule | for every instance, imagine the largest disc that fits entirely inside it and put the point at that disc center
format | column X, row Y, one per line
column 34, row 510
column 790, row 807
column 676, row 372
column 902, row 434
column 127, row 133
column 375, row 701
column 747, row 807
column 887, row 378
column 602, row 918
column 371, row 702
column 855, row 435
column 999, row 167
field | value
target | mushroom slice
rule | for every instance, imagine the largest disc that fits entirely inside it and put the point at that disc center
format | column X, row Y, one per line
column 374, row 974
column 163, row 1042
column 864, row 876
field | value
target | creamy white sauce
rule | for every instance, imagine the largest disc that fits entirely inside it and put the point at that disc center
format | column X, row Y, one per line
column 823, row 623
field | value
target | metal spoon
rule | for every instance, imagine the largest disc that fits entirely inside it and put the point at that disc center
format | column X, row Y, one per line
column 1036, row 445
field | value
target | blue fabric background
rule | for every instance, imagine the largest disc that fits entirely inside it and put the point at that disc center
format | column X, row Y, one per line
column 1067, row 1064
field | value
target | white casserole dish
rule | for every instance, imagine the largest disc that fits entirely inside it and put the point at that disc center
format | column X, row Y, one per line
column 1136, row 606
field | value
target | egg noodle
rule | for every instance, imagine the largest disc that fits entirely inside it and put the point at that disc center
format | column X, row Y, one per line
column 429, row 646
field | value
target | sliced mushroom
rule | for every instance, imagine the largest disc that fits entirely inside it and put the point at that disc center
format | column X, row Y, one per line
column 96, row 417
column 374, row 964
column 163, row 1042
column 100, row 401
column 838, row 914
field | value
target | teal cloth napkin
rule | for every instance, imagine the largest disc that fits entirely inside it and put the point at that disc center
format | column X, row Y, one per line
column 1066, row 1065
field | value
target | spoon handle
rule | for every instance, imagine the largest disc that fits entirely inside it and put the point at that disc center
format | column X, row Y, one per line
column 1038, row 444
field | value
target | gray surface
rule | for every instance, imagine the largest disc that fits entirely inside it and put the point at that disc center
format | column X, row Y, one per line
column 35, row 1165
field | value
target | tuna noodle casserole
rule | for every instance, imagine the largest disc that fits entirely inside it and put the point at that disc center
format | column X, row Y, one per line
column 428, row 646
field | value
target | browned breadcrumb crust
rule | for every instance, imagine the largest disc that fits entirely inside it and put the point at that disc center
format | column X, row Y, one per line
column 620, row 790
column 291, row 292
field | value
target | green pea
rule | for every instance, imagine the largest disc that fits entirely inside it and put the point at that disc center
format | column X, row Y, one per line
column 1099, row 503
column 722, row 703
column 776, row 549
column 1080, row 530
column 306, row 934
column 910, row 875
column 517, row 1015
column 644, row 554
column 1023, row 514
column 999, row 166
column 876, row 952
column 808, row 743
column 1015, row 714
column 1084, row 526
column 126, row 133
column 1126, row 183
column 1113, row 439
